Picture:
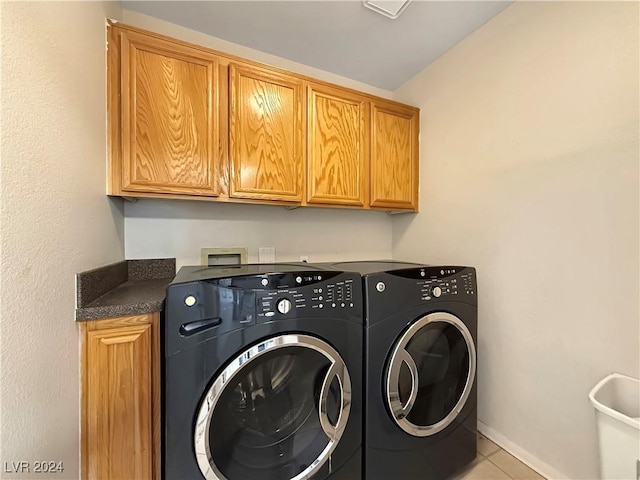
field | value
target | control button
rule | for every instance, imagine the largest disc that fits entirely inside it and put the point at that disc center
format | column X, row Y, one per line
column 351, row 304
column 269, row 314
column 321, row 306
column 190, row 301
column 333, row 304
column 342, row 305
column 441, row 272
column 437, row 291
column 284, row 306
column 298, row 279
column 380, row 286
column 264, row 282
column 320, row 297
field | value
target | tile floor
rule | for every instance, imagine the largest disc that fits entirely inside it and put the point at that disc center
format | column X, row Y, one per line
column 493, row 463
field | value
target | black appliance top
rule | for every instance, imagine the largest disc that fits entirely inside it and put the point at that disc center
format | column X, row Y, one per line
column 371, row 266
column 195, row 273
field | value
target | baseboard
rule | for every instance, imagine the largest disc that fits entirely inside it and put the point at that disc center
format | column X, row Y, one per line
column 520, row 453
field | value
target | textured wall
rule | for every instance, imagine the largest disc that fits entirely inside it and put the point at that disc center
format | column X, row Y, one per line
column 180, row 229
column 56, row 219
column 529, row 156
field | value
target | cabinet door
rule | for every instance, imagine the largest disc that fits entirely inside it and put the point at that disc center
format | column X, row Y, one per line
column 337, row 147
column 266, row 134
column 169, row 117
column 394, row 156
column 118, row 403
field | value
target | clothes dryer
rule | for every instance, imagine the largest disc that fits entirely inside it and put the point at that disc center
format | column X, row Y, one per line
column 420, row 369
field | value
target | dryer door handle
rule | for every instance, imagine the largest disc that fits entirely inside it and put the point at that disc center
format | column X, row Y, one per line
column 393, row 383
column 336, row 370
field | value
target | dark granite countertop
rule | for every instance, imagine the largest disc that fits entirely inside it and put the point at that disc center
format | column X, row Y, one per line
column 131, row 287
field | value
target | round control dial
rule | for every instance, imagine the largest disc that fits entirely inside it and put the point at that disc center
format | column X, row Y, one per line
column 437, row 291
column 283, row 306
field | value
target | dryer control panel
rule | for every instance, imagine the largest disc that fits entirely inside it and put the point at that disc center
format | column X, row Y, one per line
column 448, row 286
column 425, row 284
column 441, row 282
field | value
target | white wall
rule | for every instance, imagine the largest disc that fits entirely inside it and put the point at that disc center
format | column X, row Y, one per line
column 529, row 171
column 181, row 228
column 159, row 228
column 56, row 218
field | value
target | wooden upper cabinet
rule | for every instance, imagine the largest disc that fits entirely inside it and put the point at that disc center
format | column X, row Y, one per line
column 265, row 134
column 337, row 128
column 189, row 122
column 169, row 116
column 394, row 156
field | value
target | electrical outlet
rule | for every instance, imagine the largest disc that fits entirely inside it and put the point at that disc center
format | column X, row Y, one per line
column 304, row 258
column 266, row 254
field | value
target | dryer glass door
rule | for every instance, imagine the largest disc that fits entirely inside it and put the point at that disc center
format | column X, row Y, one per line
column 430, row 374
column 277, row 410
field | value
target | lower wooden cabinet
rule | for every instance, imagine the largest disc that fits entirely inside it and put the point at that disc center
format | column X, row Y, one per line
column 120, row 434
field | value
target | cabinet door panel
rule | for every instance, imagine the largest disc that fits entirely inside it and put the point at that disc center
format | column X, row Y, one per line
column 265, row 134
column 394, row 157
column 119, row 403
column 337, row 159
column 169, row 117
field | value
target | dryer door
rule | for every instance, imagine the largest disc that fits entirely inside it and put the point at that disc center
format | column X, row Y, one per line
column 277, row 410
column 430, row 374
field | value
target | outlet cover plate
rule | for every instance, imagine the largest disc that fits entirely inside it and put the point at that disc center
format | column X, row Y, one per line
column 266, row 254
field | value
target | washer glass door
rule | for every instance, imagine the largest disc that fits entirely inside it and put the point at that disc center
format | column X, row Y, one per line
column 430, row 374
column 276, row 411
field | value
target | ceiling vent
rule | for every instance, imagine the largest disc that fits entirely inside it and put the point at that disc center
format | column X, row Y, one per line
column 389, row 8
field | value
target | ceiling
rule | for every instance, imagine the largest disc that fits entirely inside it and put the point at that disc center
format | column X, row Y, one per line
column 341, row 37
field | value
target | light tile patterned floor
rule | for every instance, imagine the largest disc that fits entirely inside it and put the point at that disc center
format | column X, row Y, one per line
column 493, row 463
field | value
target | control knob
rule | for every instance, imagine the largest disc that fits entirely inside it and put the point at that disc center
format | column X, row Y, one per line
column 437, row 291
column 284, row 306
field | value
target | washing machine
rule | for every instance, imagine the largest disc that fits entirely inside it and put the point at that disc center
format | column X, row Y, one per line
column 262, row 374
column 420, row 369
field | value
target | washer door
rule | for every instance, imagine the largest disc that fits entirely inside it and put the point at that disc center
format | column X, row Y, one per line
column 430, row 374
column 277, row 410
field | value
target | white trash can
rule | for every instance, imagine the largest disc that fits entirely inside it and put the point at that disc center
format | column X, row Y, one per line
column 617, row 402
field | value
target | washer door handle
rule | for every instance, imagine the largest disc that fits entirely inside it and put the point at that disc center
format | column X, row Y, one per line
column 398, row 410
column 332, row 431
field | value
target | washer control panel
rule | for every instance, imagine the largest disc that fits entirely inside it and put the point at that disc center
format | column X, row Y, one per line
column 199, row 307
column 316, row 292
